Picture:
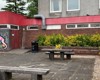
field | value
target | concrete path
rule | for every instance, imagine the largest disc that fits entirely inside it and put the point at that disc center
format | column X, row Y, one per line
column 96, row 72
column 78, row 68
column 15, row 51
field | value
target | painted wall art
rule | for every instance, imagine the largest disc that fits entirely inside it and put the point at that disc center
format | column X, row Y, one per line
column 4, row 39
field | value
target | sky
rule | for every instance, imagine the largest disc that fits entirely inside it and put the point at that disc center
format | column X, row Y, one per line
column 3, row 3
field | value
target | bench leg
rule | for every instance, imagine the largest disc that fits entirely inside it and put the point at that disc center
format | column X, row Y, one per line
column 68, row 56
column 5, row 75
column 39, row 77
column 51, row 55
column 36, row 77
column 62, row 56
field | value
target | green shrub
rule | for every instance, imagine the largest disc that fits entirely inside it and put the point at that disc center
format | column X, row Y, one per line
column 83, row 40
column 74, row 40
column 47, row 41
column 57, row 39
column 71, row 40
column 41, row 40
column 95, row 40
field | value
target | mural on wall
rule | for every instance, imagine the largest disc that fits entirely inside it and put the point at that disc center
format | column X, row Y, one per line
column 4, row 39
column 3, row 44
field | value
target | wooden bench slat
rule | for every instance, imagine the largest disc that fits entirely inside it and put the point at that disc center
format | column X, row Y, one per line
column 49, row 52
column 36, row 73
column 24, row 70
column 72, row 53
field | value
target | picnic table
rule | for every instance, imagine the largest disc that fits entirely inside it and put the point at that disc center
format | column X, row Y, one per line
column 61, row 52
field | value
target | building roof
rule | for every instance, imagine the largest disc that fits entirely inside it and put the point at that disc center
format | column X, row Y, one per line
column 7, row 17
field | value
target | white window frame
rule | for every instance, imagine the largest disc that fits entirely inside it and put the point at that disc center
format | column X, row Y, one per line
column 82, row 24
column 9, row 26
column 28, row 27
column 53, row 27
column 93, row 26
column 60, row 7
column 71, row 27
column 6, row 27
column 74, row 9
column 71, row 24
column 89, row 26
column 78, row 27
column 14, row 25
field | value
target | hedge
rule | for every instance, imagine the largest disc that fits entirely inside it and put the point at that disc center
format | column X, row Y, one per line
column 74, row 40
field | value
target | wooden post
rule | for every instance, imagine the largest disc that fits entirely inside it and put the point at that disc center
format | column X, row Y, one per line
column 36, row 77
column 68, row 56
column 51, row 55
column 62, row 55
column 39, row 77
column 5, row 75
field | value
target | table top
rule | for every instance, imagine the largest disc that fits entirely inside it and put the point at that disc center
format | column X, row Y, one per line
column 48, row 49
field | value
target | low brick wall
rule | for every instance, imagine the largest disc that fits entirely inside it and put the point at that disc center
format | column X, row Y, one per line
column 30, row 35
column 79, row 50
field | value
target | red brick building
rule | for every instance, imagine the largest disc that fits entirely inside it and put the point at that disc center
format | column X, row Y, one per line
column 22, row 31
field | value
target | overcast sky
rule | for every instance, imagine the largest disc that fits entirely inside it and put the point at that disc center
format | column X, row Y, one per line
column 3, row 3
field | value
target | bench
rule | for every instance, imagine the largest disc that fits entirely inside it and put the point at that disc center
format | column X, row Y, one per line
column 36, row 73
column 67, row 53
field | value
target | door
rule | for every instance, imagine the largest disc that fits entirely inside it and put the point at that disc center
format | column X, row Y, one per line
column 16, row 39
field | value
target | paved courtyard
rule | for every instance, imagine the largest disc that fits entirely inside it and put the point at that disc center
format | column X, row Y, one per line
column 80, row 67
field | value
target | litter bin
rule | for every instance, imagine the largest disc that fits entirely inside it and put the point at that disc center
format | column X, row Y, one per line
column 34, row 46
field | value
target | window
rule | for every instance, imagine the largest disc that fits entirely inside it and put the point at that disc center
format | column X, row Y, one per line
column 32, row 28
column 55, row 5
column 74, row 26
column 8, row 26
column 14, row 27
column 82, row 25
column 51, row 27
column 95, row 24
column 3, row 27
column 73, row 5
column 70, row 26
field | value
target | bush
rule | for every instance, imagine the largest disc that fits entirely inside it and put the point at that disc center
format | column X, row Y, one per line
column 57, row 39
column 74, row 40
column 41, row 40
column 95, row 40
column 83, row 40
column 47, row 41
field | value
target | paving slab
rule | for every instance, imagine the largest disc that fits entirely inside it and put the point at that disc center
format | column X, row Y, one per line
column 80, row 67
column 15, row 51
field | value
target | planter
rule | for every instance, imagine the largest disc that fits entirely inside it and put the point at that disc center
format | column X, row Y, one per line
column 79, row 50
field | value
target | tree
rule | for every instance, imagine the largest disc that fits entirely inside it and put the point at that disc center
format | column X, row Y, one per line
column 32, row 8
column 16, row 6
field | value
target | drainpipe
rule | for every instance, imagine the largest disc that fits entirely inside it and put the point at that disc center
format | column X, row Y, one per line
column 38, row 16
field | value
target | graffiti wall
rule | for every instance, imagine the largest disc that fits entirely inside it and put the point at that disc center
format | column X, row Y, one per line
column 4, row 39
